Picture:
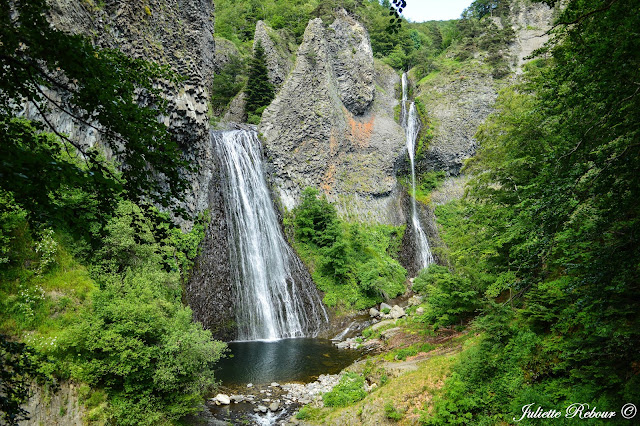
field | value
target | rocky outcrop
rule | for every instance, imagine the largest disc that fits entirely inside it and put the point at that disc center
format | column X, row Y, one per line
column 456, row 107
column 276, row 51
column 178, row 33
column 458, row 102
column 530, row 23
column 209, row 290
column 331, row 126
column 225, row 50
column 61, row 407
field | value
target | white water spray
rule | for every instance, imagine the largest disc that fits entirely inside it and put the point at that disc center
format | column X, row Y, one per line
column 270, row 302
column 411, row 128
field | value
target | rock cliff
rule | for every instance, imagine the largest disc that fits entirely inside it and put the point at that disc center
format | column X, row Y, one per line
column 178, row 33
column 276, row 51
column 331, row 125
column 459, row 100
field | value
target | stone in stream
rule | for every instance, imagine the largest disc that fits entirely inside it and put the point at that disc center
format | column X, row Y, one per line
column 223, row 399
column 274, row 385
column 249, row 385
column 274, row 406
column 373, row 312
column 262, row 409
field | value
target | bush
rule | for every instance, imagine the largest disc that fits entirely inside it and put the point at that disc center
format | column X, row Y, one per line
column 450, row 298
column 349, row 391
column 392, row 413
column 137, row 341
column 351, row 262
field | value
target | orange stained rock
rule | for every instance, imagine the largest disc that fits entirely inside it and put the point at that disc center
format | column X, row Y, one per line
column 328, row 179
column 360, row 130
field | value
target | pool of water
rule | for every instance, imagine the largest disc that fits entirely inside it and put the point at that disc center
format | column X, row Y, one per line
column 286, row 360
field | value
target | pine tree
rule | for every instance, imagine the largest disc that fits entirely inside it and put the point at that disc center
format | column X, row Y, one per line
column 259, row 90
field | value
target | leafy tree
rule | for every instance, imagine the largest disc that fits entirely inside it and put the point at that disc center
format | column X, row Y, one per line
column 259, row 89
column 98, row 88
column 137, row 341
column 227, row 83
column 16, row 374
column 556, row 211
column 315, row 219
column 352, row 263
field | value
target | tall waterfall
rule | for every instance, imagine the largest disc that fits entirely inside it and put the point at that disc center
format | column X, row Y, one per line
column 412, row 127
column 272, row 299
column 403, row 115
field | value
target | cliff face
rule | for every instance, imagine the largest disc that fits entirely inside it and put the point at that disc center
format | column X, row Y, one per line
column 331, row 125
column 178, row 33
column 458, row 101
column 277, row 53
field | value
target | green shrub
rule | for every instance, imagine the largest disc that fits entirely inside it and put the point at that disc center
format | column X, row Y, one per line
column 137, row 341
column 392, row 413
column 351, row 262
column 348, row 391
column 304, row 413
column 450, row 297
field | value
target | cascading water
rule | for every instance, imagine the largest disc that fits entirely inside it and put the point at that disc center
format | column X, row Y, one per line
column 411, row 128
column 271, row 299
column 403, row 116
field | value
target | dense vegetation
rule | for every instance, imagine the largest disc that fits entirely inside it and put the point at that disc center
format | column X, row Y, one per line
column 90, row 271
column 546, row 243
column 259, row 90
column 353, row 264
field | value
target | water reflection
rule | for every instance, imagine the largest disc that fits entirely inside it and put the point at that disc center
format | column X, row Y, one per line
column 285, row 360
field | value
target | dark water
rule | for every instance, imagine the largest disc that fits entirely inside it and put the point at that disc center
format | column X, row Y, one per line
column 286, row 360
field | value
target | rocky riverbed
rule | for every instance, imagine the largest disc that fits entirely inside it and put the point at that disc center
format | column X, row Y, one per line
column 276, row 403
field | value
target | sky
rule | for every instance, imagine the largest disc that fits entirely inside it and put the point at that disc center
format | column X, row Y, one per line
column 438, row 10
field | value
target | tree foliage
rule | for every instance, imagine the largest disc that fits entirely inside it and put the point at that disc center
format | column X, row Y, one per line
column 16, row 373
column 352, row 263
column 553, row 219
column 259, row 89
column 102, row 89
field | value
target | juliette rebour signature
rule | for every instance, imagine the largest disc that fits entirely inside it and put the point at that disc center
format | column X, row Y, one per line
column 578, row 410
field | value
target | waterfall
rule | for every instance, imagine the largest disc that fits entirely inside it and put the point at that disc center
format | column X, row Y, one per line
column 412, row 127
column 271, row 297
column 403, row 115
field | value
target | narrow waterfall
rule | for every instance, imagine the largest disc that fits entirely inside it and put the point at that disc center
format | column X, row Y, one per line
column 271, row 297
column 403, row 115
column 412, row 127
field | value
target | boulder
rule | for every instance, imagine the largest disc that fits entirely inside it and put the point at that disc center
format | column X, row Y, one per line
column 384, row 306
column 373, row 312
column 397, row 312
column 223, row 399
column 414, row 300
column 274, row 406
